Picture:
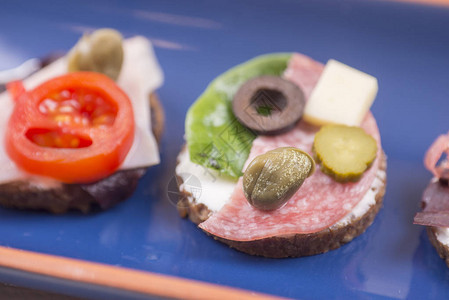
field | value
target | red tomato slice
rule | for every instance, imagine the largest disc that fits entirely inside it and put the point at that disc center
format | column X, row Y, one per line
column 76, row 128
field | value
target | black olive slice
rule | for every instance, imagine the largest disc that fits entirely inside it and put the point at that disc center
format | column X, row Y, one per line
column 268, row 104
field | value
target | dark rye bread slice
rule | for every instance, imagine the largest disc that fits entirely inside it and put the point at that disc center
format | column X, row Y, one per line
column 292, row 245
column 102, row 194
column 434, row 193
column 442, row 249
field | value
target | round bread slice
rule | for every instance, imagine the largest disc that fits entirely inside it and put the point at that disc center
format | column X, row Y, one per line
column 438, row 236
column 295, row 245
column 62, row 197
column 442, row 249
column 434, row 201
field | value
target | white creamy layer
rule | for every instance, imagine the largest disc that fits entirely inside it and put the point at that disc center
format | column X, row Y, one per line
column 442, row 234
column 368, row 200
column 140, row 76
column 210, row 188
column 215, row 189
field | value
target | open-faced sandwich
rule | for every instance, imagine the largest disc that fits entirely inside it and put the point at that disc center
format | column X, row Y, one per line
column 79, row 133
column 435, row 199
column 283, row 157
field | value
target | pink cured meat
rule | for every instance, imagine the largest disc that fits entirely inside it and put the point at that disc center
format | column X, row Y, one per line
column 436, row 210
column 318, row 204
column 433, row 155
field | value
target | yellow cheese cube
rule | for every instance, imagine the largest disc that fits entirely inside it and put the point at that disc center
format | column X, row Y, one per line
column 343, row 95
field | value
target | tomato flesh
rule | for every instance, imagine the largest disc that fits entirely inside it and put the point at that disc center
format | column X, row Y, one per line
column 79, row 106
column 56, row 139
column 76, row 128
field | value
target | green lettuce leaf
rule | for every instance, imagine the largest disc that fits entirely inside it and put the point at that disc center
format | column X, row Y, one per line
column 215, row 139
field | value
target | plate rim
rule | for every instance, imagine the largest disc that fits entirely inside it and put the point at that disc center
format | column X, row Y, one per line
column 133, row 280
column 143, row 282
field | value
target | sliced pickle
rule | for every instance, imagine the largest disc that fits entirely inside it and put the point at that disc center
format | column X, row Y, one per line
column 345, row 152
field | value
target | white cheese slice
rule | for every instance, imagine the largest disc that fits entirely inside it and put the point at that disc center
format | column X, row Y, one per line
column 140, row 76
column 343, row 95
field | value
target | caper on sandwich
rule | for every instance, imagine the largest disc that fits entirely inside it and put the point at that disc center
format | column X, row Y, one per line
column 292, row 164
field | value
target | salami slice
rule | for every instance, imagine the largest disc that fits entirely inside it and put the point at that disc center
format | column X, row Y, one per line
column 318, row 204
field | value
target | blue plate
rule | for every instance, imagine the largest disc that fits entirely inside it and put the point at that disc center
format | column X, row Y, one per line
column 405, row 46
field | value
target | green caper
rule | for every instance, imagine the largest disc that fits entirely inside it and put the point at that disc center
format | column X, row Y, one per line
column 101, row 51
column 272, row 178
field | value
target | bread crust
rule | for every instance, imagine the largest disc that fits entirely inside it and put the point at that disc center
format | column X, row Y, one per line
column 295, row 245
column 103, row 194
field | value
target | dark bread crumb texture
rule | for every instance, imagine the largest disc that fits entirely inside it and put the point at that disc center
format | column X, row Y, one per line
column 102, row 194
column 293, row 245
